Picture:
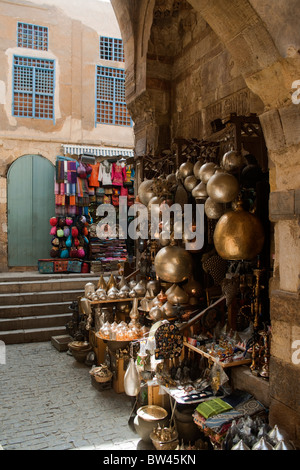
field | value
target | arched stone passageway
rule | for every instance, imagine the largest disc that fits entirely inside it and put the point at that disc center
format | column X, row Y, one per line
column 189, row 62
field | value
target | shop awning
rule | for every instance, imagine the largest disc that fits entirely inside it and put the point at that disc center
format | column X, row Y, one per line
column 69, row 149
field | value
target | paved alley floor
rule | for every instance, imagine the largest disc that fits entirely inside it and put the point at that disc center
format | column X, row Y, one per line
column 47, row 402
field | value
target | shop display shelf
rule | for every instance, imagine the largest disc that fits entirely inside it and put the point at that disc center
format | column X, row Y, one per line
column 215, row 359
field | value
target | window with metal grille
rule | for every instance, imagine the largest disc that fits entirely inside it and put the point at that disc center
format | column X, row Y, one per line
column 111, row 49
column 110, row 97
column 32, row 36
column 33, row 87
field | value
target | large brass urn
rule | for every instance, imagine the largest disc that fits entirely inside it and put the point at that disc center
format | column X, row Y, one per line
column 239, row 235
column 173, row 264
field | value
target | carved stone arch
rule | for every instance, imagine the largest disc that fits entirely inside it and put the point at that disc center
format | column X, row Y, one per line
column 246, row 37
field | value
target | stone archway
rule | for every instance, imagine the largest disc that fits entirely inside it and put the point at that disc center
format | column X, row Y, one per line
column 269, row 74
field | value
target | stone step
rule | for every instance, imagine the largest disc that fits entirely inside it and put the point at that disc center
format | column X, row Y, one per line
column 33, row 322
column 15, row 311
column 34, row 307
column 40, row 297
column 43, row 285
column 31, row 335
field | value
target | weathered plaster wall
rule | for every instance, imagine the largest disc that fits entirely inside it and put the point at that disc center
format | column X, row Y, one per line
column 74, row 45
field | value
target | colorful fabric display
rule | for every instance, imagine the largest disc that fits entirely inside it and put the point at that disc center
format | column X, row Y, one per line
column 104, row 175
column 118, row 174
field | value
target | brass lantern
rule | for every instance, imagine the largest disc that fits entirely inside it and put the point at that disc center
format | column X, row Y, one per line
column 238, row 235
column 223, row 187
column 145, row 192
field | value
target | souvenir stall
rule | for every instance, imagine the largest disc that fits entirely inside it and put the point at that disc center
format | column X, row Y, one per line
column 82, row 185
column 170, row 334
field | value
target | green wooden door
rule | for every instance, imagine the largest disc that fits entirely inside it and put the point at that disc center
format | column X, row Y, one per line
column 30, row 204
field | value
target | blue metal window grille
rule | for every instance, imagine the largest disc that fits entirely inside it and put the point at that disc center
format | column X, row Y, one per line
column 111, row 49
column 110, row 97
column 32, row 36
column 33, row 87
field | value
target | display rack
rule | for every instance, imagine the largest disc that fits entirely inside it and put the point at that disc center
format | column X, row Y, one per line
column 215, row 359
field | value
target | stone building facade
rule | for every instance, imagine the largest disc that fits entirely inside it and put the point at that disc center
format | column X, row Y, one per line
column 74, row 30
column 189, row 62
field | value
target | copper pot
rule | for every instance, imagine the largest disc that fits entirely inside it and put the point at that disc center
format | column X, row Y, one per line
column 173, row 264
column 239, row 235
column 223, row 187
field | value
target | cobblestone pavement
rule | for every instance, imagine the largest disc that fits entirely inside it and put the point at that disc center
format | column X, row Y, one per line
column 47, row 402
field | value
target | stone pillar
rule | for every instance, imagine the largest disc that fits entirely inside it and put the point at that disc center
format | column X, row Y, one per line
column 281, row 130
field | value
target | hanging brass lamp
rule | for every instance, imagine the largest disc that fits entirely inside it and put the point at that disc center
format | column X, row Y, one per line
column 223, row 187
column 173, row 264
column 238, row 235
